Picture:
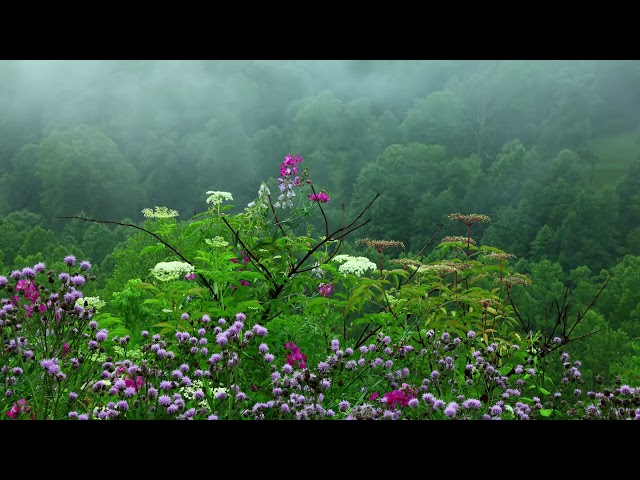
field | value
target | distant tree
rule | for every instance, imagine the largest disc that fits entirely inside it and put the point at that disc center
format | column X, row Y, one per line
column 536, row 303
column 568, row 124
column 25, row 185
column 626, row 190
column 388, row 130
column 226, row 160
column 588, row 233
column 512, row 167
column 82, row 169
column 437, row 119
column 545, row 246
column 620, row 301
column 402, row 174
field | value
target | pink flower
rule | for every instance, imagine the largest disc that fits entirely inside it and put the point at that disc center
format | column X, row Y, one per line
column 29, row 289
column 325, row 289
column 137, row 384
column 296, row 356
column 18, row 407
column 400, row 397
column 190, row 276
column 234, row 260
column 319, row 197
column 246, row 283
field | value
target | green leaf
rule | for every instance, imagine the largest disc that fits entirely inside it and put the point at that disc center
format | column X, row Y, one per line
column 165, row 324
column 147, row 286
column 152, row 249
column 546, row 412
column 248, row 305
column 543, row 391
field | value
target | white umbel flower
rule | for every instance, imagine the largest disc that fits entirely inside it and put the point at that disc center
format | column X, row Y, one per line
column 216, row 198
column 160, row 212
column 167, row 271
column 92, row 302
column 216, row 242
column 354, row 265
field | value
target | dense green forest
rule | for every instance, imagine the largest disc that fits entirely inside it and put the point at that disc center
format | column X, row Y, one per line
column 547, row 149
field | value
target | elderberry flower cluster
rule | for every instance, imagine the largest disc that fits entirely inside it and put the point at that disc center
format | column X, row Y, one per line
column 160, row 212
column 355, row 265
column 216, row 198
column 167, row 271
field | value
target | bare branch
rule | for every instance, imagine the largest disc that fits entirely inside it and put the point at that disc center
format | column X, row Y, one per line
column 204, row 280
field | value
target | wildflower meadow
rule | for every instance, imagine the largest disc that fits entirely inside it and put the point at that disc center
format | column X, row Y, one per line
column 275, row 313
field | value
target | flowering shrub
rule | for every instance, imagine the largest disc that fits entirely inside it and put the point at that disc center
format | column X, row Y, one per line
column 248, row 318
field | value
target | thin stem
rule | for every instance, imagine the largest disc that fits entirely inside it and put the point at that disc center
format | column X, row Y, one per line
column 204, row 280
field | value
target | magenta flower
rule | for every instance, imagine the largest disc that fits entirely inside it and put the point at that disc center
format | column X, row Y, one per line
column 319, row 197
column 400, row 397
column 190, row 276
column 325, row 289
column 29, row 289
column 246, row 283
column 18, row 407
column 295, row 358
column 137, row 384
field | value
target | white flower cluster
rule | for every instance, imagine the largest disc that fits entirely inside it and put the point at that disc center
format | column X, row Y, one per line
column 216, row 242
column 131, row 352
column 216, row 198
column 355, row 265
column 160, row 212
column 263, row 198
column 167, row 271
column 284, row 199
column 92, row 302
column 189, row 391
column 393, row 301
column 316, row 270
column 220, row 390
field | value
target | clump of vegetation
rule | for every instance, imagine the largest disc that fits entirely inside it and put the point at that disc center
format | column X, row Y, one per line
column 251, row 316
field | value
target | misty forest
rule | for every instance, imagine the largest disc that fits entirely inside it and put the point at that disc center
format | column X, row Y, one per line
column 320, row 239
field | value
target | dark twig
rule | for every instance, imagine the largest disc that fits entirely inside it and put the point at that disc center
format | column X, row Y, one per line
column 254, row 260
column 204, row 280
column 419, row 253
